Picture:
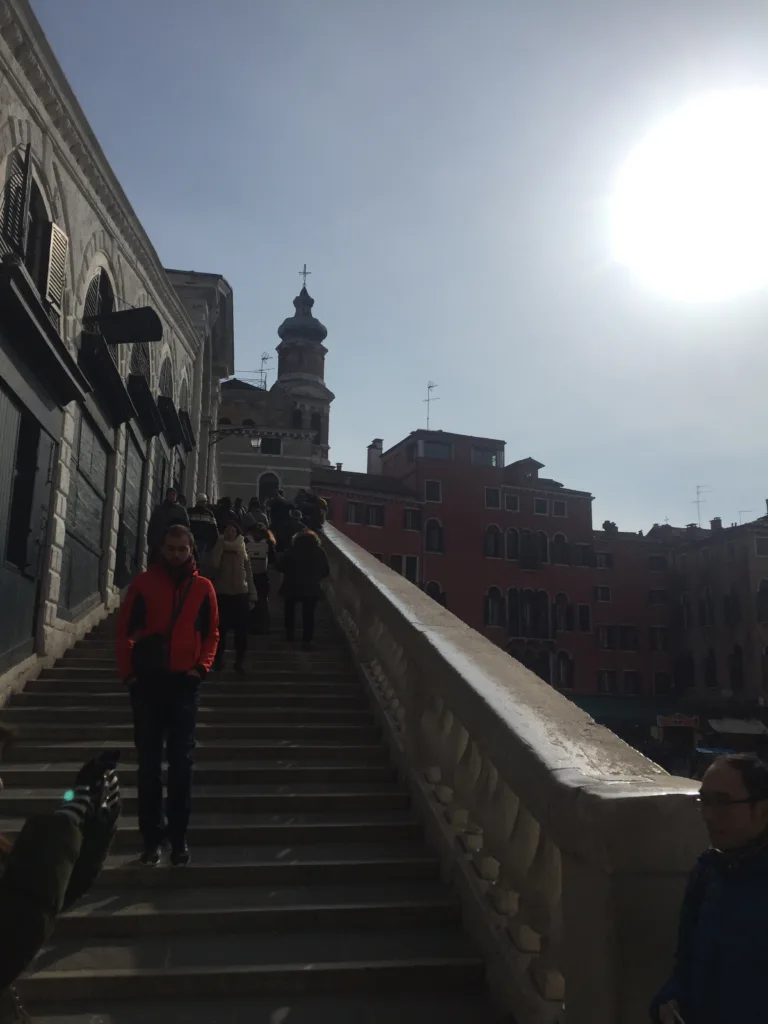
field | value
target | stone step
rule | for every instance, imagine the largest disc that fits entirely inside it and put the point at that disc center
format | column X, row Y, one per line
column 238, row 831
column 449, row 1006
column 238, row 964
column 224, row 773
column 213, row 684
column 330, row 674
column 117, row 914
column 254, row 750
column 239, row 799
column 120, row 713
column 50, row 696
column 121, row 735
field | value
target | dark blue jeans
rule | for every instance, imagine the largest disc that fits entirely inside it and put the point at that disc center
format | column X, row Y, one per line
column 164, row 715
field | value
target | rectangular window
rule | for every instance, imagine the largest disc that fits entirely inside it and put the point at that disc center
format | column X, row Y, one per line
column 662, row 684
column 396, row 563
column 632, row 684
column 24, row 479
column 585, row 618
column 511, row 502
column 761, row 546
column 485, row 457
column 271, row 446
column 438, row 450
column 607, row 637
column 657, row 563
column 411, row 568
column 606, row 681
column 375, row 515
column 433, row 490
column 583, row 555
column 658, row 596
column 560, row 508
column 658, row 637
column 603, row 594
column 356, row 513
column 630, row 638
column 412, row 519
column 540, row 507
column 604, row 560
column 492, row 497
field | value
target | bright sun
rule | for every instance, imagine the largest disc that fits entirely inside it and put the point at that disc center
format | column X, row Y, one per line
column 689, row 214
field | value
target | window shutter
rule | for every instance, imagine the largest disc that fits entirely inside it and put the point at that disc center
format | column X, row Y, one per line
column 57, row 268
column 15, row 214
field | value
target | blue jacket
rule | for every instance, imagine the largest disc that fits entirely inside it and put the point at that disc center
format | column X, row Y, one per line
column 721, row 965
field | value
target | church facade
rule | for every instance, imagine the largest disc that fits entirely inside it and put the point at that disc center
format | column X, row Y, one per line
column 271, row 439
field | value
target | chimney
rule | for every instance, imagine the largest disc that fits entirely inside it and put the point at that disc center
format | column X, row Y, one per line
column 766, row 505
column 716, row 523
column 338, row 466
column 375, row 450
column 691, row 527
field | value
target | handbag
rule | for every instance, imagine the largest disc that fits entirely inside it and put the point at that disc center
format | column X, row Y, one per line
column 152, row 653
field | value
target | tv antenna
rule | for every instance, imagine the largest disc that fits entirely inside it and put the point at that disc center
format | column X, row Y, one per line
column 698, row 500
column 265, row 358
column 430, row 399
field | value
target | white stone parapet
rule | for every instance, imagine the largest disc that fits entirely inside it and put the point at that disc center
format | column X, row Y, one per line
column 568, row 848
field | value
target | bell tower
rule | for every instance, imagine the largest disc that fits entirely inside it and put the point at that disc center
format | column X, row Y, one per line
column 301, row 372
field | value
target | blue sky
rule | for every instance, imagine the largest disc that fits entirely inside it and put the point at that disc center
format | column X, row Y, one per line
column 443, row 168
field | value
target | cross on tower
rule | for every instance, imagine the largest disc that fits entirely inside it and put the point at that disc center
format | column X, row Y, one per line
column 305, row 274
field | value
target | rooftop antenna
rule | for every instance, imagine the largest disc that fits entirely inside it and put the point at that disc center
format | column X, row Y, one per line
column 699, row 501
column 305, row 274
column 744, row 512
column 262, row 374
column 430, row 399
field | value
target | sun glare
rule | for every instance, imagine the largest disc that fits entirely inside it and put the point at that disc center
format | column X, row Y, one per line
column 689, row 215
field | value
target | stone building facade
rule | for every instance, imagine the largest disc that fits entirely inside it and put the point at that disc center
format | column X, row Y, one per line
column 109, row 366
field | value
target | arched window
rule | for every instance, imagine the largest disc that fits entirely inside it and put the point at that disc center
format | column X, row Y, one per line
column 513, row 544
column 166, row 379
column 268, row 486
column 433, row 536
column 541, row 615
column 494, row 607
column 542, row 546
column 436, row 592
column 297, row 419
column 527, row 613
column 38, row 239
column 184, row 396
column 316, row 424
column 560, row 551
column 564, row 671
column 736, row 668
column 710, row 670
column 99, row 299
column 225, row 421
column 540, row 664
column 560, row 610
column 762, row 601
column 493, row 542
column 513, row 612
column 140, row 359
column 249, row 423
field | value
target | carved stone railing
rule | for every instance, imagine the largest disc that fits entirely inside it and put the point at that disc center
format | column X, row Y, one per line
column 568, row 848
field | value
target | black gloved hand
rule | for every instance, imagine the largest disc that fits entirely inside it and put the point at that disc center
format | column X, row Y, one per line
column 96, row 793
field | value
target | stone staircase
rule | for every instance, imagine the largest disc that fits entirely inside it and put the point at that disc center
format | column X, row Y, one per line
column 311, row 897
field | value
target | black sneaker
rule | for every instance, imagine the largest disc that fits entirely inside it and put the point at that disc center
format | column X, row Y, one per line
column 180, row 854
column 151, row 856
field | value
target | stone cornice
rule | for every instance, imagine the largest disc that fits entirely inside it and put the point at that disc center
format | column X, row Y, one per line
column 24, row 36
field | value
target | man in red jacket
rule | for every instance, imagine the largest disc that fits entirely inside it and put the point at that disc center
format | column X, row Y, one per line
column 167, row 635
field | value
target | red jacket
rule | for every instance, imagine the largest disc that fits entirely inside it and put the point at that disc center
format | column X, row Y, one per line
column 148, row 607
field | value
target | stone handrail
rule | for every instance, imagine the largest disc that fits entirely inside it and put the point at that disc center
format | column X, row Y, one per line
column 569, row 849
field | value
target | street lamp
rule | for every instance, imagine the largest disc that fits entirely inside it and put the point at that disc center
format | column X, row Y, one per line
column 256, row 444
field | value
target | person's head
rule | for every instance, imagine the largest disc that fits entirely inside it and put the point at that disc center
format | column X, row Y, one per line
column 171, row 496
column 307, row 540
column 225, row 502
column 238, row 502
column 231, row 530
column 254, row 503
column 294, row 513
column 734, row 800
column 177, row 546
column 201, row 500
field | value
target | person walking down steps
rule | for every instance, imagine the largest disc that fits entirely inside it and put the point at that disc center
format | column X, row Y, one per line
column 230, row 570
column 166, row 639
column 304, row 566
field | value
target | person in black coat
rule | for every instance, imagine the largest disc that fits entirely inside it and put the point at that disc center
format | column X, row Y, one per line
column 304, row 567
column 721, row 965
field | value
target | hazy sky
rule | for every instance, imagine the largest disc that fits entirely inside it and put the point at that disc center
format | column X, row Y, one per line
column 443, row 167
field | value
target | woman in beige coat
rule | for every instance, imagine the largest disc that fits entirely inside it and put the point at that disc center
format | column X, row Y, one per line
column 229, row 569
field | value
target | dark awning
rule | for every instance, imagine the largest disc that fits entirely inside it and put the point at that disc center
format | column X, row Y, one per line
column 35, row 337
column 190, row 441
column 127, row 326
column 147, row 413
column 99, row 367
column 174, row 433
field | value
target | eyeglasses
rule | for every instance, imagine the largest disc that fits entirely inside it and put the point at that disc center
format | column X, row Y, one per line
column 719, row 802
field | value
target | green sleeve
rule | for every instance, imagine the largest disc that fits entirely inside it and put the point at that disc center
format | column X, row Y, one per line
column 97, row 839
column 32, row 889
